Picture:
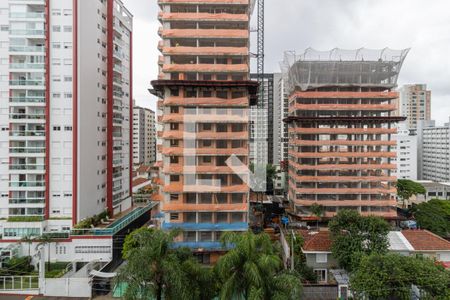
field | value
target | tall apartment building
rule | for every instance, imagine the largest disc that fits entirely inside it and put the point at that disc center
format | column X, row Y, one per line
column 262, row 123
column 144, row 136
column 340, row 130
column 414, row 103
column 433, row 151
column 406, row 149
column 204, row 96
column 65, row 103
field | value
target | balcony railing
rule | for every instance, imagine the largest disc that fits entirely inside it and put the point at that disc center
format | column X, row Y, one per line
column 27, row 183
column 27, row 82
column 27, row 133
column 27, row 167
column 40, row 49
column 26, row 15
column 26, row 66
column 27, row 32
column 27, row 116
column 26, row 200
column 27, row 99
column 26, row 150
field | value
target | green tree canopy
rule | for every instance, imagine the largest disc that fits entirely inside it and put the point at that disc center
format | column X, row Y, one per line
column 155, row 269
column 407, row 188
column 353, row 236
column 434, row 216
column 385, row 276
column 253, row 270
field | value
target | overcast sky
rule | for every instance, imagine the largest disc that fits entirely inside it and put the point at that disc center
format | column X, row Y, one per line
column 422, row 25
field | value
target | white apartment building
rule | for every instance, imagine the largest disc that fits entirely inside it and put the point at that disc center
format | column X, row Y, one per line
column 406, row 149
column 433, row 151
column 65, row 113
column 261, row 118
column 144, row 136
column 414, row 104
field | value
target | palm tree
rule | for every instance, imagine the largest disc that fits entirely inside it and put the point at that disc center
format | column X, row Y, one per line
column 317, row 210
column 28, row 239
column 45, row 239
column 253, row 270
column 155, row 269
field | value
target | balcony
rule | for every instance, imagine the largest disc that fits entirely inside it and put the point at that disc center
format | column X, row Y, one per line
column 21, row 49
column 26, row 200
column 26, row 150
column 27, row 15
column 28, row 32
column 26, row 66
column 29, row 99
column 38, row 133
column 27, row 167
column 27, row 83
column 27, row 183
column 21, row 117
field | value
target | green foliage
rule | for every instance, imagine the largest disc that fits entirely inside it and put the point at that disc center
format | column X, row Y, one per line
column 94, row 221
column 25, row 219
column 385, row 276
column 17, row 266
column 434, row 216
column 58, row 269
column 155, row 269
column 354, row 236
column 407, row 188
column 317, row 209
column 253, row 270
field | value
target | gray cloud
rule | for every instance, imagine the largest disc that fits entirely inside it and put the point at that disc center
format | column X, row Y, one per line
column 325, row 24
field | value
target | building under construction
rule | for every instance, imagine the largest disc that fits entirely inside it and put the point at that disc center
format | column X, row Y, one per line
column 340, row 128
column 204, row 94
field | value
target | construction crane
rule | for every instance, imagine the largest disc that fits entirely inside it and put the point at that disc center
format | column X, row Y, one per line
column 260, row 50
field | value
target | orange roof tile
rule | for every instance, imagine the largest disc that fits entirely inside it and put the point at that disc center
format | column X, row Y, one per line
column 139, row 181
column 319, row 241
column 424, row 240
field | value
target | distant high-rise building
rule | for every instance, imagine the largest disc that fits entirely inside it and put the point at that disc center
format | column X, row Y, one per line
column 406, row 148
column 414, row 103
column 65, row 102
column 340, row 130
column 144, row 136
column 204, row 92
column 262, row 124
column 433, row 151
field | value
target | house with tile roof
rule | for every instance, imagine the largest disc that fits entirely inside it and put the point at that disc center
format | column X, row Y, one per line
column 317, row 248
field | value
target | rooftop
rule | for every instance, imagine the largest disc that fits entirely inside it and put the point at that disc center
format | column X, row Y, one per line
column 342, row 68
column 317, row 241
column 424, row 240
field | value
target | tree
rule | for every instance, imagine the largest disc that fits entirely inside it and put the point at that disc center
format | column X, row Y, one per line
column 252, row 269
column 353, row 236
column 317, row 210
column 155, row 269
column 407, row 188
column 28, row 239
column 45, row 239
column 392, row 276
column 434, row 216
column 306, row 273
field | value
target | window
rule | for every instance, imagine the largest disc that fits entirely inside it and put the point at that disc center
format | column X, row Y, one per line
column 174, row 159
column 321, row 257
column 56, row 12
column 67, row 28
column 56, row 45
column 174, row 197
column 174, row 216
column 56, row 28
column 68, row 128
column 56, row 128
column 321, row 274
column 92, row 249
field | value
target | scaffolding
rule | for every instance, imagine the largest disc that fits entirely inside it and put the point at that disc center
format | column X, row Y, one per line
column 340, row 68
